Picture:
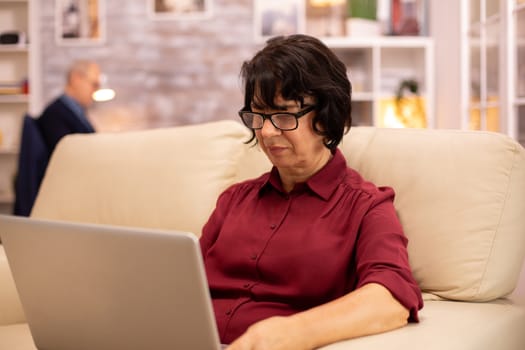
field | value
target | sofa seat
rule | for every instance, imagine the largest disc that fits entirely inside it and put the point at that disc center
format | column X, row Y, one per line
column 460, row 196
column 16, row 337
column 453, row 326
column 444, row 325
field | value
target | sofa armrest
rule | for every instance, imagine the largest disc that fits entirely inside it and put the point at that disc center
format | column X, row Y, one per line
column 519, row 293
column 10, row 307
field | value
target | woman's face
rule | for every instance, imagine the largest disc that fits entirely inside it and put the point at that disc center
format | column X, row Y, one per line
column 296, row 150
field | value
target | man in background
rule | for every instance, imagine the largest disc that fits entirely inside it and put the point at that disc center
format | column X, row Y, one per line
column 67, row 114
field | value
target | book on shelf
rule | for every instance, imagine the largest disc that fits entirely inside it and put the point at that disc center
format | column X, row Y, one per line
column 14, row 88
column 408, row 17
column 388, row 17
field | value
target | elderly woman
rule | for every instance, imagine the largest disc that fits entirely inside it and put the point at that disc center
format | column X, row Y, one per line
column 309, row 253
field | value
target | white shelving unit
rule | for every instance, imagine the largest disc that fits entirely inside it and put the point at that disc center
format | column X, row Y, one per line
column 494, row 57
column 377, row 66
column 17, row 62
column 516, row 52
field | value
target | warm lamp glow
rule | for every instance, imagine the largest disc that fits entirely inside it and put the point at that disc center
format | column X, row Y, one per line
column 104, row 93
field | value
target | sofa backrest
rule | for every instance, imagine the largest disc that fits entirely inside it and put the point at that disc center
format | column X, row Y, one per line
column 460, row 195
column 162, row 178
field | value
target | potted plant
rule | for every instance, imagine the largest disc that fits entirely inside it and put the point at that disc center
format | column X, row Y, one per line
column 362, row 18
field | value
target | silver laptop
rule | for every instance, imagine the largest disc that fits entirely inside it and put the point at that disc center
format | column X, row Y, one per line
column 85, row 286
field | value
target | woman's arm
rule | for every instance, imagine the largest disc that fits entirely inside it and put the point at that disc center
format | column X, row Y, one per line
column 368, row 310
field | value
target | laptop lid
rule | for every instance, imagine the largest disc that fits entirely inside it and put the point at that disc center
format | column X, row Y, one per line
column 87, row 286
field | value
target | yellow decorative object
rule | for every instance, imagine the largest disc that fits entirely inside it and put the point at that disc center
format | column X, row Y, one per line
column 407, row 113
column 475, row 119
column 491, row 115
column 403, row 111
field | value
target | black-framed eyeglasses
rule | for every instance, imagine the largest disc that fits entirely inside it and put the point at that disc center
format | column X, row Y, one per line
column 284, row 121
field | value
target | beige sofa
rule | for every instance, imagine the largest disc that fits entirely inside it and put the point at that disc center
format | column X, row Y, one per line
column 460, row 197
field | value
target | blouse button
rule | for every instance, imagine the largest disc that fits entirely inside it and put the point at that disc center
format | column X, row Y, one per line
column 273, row 226
column 246, row 285
column 253, row 256
column 229, row 312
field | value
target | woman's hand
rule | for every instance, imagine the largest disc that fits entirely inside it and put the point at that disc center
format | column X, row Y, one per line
column 274, row 333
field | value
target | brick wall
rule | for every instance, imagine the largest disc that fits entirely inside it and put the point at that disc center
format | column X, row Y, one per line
column 166, row 73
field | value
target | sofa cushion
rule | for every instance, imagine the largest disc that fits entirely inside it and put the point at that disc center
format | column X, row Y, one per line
column 444, row 325
column 452, row 326
column 10, row 307
column 163, row 178
column 460, row 196
column 16, row 337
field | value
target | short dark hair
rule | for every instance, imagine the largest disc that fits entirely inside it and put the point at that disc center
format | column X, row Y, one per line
column 297, row 66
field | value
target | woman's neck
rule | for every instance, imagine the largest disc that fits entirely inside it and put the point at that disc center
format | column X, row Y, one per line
column 292, row 176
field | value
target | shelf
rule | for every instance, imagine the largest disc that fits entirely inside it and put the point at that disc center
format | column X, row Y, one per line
column 5, row 48
column 377, row 41
column 492, row 57
column 19, row 62
column 14, row 98
column 8, row 151
column 376, row 65
column 6, row 199
column 362, row 96
column 15, row 63
column 495, row 18
column 519, row 7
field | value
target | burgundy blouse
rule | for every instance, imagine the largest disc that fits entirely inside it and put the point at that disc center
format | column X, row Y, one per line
column 268, row 252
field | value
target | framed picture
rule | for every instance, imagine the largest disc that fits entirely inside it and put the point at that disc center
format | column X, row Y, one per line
column 278, row 17
column 79, row 22
column 179, row 9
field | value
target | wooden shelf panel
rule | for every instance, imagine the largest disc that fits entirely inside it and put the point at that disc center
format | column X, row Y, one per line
column 5, row 48
column 377, row 41
column 14, row 98
column 6, row 199
column 8, row 151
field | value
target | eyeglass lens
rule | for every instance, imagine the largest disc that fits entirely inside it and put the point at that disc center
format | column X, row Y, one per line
column 280, row 121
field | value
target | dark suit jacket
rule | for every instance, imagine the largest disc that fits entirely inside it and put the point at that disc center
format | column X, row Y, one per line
column 32, row 164
column 59, row 120
column 39, row 138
